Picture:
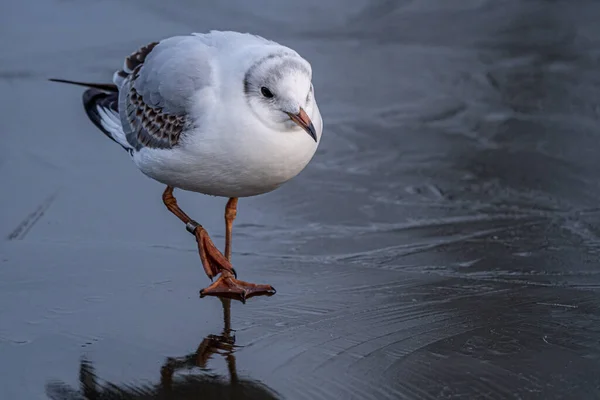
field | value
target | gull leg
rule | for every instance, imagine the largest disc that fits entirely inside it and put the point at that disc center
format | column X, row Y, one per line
column 227, row 285
column 212, row 259
column 230, row 214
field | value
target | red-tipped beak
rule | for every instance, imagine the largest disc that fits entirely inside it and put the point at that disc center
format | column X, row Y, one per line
column 305, row 123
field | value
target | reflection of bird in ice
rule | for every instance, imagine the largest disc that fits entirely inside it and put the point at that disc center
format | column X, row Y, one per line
column 205, row 386
column 224, row 113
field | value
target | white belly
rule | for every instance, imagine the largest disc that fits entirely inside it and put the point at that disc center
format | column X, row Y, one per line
column 241, row 169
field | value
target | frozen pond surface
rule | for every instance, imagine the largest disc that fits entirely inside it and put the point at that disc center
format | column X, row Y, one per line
column 443, row 243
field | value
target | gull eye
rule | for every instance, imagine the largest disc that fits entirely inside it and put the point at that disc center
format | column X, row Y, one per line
column 266, row 92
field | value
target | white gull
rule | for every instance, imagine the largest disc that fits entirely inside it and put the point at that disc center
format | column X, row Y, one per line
column 224, row 113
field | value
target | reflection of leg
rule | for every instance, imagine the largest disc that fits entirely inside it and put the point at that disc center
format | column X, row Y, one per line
column 213, row 343
column 232, row 368
column 226, row 303
column 230, row 214
column 212, row 259
column 87, row 379
column 166, row 375
column 231, row 365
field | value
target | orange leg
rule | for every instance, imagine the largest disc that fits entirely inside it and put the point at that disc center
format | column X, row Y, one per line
column 230, row 214
column 212, row 259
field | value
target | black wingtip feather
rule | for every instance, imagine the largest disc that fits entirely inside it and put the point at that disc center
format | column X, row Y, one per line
column 94, row 98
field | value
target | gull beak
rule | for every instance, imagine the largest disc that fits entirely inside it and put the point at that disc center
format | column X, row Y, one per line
column 303, row 120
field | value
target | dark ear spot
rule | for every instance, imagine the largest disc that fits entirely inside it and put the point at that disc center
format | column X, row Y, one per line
column 247, row 86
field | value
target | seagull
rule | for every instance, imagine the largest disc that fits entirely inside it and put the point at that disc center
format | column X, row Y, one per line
column 221, row 113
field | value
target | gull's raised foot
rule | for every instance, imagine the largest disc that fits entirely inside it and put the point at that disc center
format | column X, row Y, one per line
column 230, row 287
column 213, row 261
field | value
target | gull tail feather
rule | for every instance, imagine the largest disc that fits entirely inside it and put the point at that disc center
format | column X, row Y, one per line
column 108, row 87
column 101, row 104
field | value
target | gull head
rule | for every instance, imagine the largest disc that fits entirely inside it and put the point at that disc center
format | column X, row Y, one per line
column 279, row 91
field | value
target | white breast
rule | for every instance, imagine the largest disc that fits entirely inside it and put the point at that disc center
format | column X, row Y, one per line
column 232, row 160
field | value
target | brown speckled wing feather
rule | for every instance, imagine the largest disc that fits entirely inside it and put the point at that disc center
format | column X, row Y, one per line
column 150, row 126
column 137, row 58
column 144, row 124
